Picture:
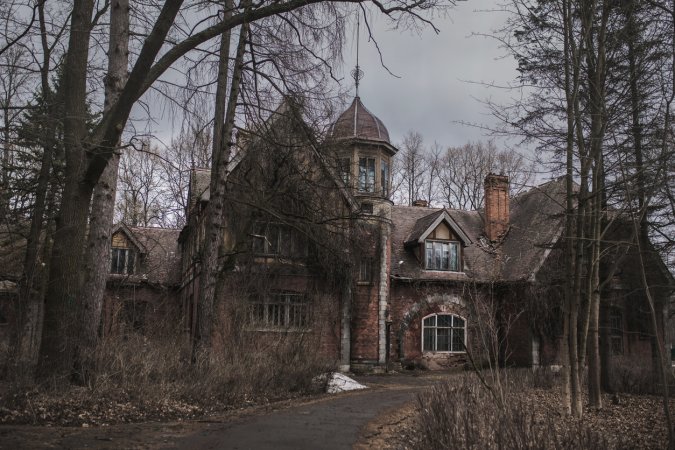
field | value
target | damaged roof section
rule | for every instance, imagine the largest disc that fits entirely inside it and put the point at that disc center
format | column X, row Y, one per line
column 536, row 222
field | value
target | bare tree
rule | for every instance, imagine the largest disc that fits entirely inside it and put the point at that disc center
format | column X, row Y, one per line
column 463, row 169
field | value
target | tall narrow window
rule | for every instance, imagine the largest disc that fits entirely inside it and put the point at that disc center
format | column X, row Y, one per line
column 384, row 177
column 344, row 169
column 365, row 270
column 443, row 333
column 367, row 174
column 616, row 331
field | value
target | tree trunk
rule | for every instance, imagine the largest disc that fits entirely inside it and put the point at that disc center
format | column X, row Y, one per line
column 62, row 298
column 29, row 307
column 215, row 218
column 97, row 256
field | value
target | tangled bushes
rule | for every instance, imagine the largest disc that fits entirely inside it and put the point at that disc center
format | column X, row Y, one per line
column 464, row 414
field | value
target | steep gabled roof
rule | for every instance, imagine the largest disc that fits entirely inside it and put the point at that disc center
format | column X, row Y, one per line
column 535, row 225
column 536, row 221
column 161, row 263
column 409, row 223
column 288, row 109
column 130, row 235
column 425, row 225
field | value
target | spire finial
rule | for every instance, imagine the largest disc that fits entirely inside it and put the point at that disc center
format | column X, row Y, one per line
column 357, row 73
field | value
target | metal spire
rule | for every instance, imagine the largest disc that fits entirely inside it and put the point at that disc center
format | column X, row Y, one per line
column 357, row 73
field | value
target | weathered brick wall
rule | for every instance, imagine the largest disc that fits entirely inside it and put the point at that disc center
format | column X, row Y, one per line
column 409, row 304
column 496, row 206
column 141, row 308
column 364, row 331
column 321, row 339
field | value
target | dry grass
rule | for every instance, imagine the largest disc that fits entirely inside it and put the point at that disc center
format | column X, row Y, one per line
column 463, row 414
column 141, row 378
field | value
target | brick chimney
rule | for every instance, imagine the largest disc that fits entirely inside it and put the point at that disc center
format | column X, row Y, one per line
column 496, row 206
column 419, row 202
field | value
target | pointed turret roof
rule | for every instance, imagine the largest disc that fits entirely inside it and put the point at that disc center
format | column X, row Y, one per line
column 358, row 122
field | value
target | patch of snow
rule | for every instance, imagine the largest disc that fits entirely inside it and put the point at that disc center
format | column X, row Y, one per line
column 338, row 383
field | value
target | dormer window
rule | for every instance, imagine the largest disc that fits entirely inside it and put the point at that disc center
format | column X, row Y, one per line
column 442, row 255
column 122, row 261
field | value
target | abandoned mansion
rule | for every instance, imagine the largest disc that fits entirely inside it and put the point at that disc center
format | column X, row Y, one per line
column 315, row 250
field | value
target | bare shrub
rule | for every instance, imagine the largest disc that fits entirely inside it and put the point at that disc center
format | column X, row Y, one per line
column 628, row 377
column 464, row 415
column 151, row 369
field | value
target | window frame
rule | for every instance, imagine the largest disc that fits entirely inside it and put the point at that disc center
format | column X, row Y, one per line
column 278, row 240
column 279, row 311
column 616, row 332
column 128, row 265
column 345, row 170
column 451, row 328
column 450, row 243
column 384, row 177
column 365, row 275
column 367, row 174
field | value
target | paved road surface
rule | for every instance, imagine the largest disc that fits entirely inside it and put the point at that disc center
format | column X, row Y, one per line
column 331, row 422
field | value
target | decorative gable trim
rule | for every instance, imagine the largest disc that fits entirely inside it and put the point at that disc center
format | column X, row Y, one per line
column 442, row 217
column 121, row 227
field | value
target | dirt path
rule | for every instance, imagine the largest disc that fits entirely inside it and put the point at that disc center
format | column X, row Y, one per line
column 328, row 422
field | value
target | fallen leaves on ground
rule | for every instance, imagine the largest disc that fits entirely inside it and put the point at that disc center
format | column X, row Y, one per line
column 82, row 407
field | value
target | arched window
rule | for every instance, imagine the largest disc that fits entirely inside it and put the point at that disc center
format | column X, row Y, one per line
column 443, row 333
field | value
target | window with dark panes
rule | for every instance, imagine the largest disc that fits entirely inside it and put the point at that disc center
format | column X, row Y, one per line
column 616, row 331
column 367, row 174
column 384, row 177
column 443, row 333
column 442, row 255
column 344, row 169
column 278, row 239
column 281, row 310
column 122, row 261
column 365, row 270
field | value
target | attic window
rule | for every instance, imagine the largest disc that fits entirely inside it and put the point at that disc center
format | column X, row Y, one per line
column 122, row 261
column 442, row 255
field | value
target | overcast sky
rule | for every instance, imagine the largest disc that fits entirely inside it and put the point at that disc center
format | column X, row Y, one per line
column 439, row 75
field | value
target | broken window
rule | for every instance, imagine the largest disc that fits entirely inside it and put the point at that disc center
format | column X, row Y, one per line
column 367, row 174
column 444, row 333
column 442, row 255
column 122, row 261
column 281, row 310
column 278, row 239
